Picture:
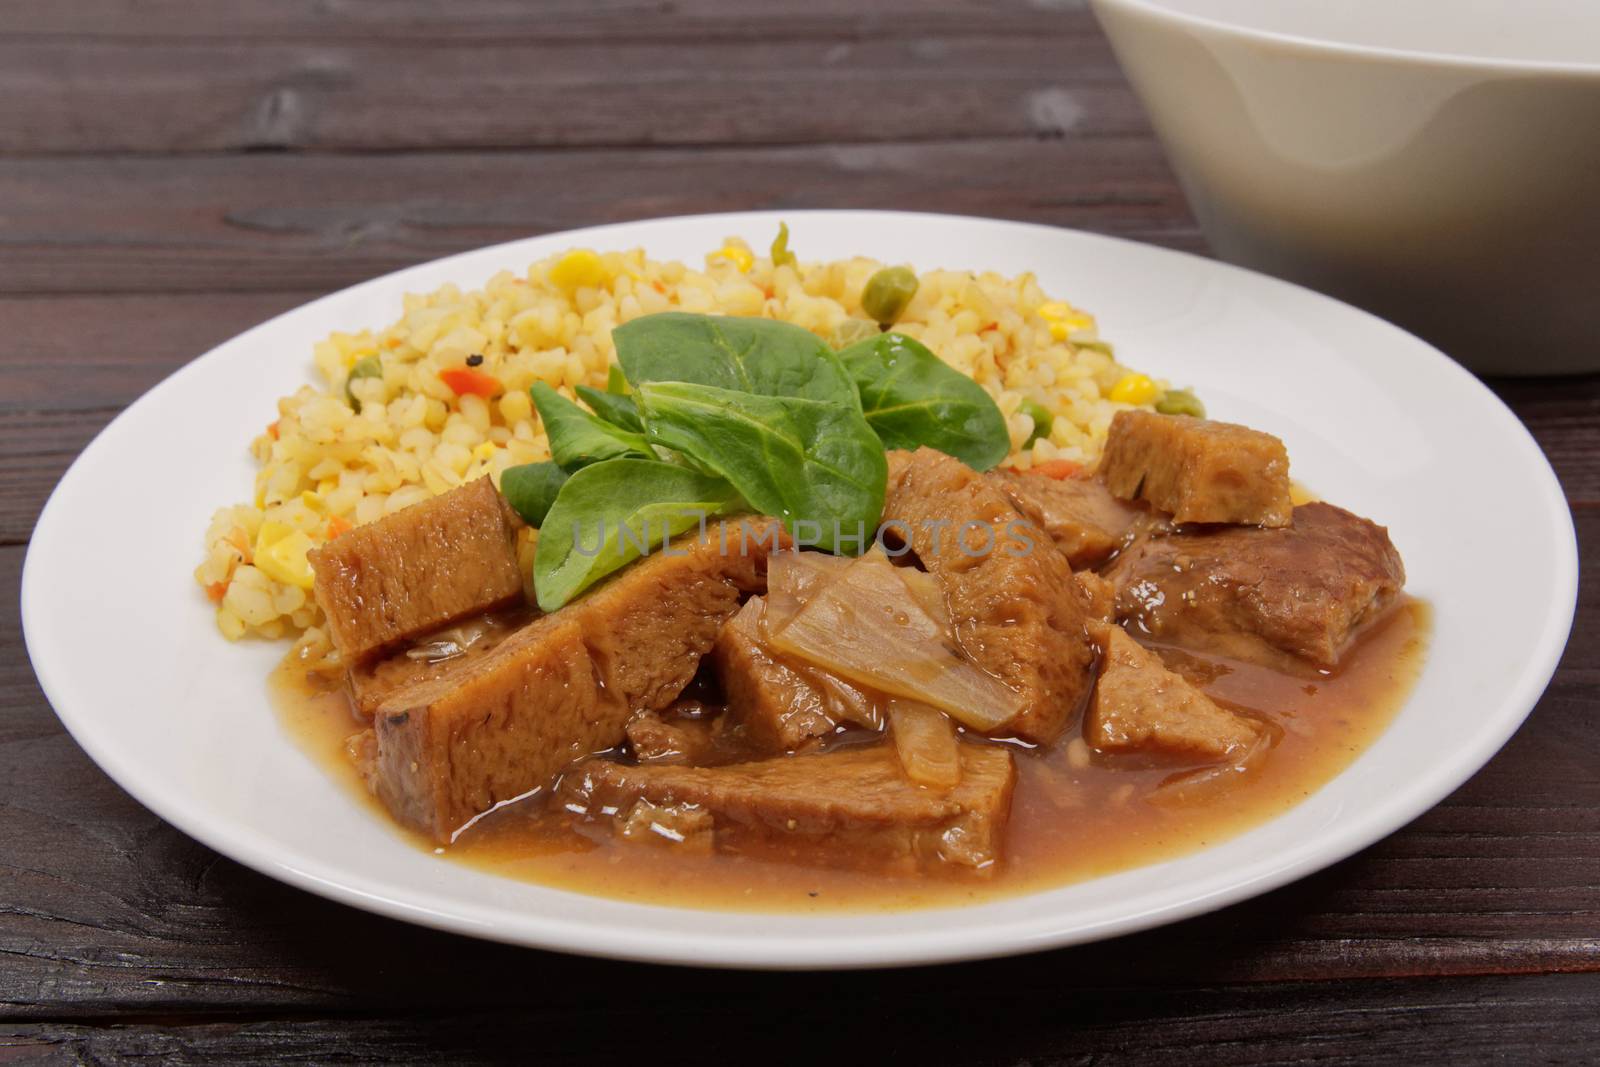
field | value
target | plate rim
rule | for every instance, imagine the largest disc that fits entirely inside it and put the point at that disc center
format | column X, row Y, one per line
column 894, row 948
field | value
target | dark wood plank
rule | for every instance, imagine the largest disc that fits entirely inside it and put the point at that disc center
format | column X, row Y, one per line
column 101, row 351
column 1563, row 414
column 282, row 222
column 71, row 95
column 1492, row 1020
column 485, row 21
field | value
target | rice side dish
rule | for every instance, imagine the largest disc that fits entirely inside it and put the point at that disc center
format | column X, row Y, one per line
column 440, row 396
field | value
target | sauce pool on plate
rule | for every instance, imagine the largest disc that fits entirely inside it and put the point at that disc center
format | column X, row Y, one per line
column 1075, row 815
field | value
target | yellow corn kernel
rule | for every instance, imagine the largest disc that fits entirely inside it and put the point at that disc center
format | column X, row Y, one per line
column 313, row 501
column 1135, row 389
column 280, row 554
column 579, row 267
column 327, row 485
column 484, row 451
column 1064, row 320
column 739, row 257
column 516, row 406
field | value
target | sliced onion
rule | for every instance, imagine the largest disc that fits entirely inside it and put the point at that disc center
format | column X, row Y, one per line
column 792, row 579
column 838, row 699
column 928, row 593
column 435, row 651
column 448, row 644
column 925, row 740
column 866, row 627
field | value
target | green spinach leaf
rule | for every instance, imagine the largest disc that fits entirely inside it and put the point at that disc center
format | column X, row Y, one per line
column 531, row 488
column 750, row 355
column 619, row 411
column 610, row 513
column 578, row 438
column 816, row 465
column 911, row 397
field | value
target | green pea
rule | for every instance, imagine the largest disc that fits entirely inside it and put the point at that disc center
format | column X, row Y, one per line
column 1180, row 402
column 365, row 367
column 887, row 294
column 1042, row 420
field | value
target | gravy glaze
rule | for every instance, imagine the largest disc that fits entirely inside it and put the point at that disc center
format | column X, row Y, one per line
column 1075, row 814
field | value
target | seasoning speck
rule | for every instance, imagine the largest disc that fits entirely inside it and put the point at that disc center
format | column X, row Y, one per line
column 475, row 360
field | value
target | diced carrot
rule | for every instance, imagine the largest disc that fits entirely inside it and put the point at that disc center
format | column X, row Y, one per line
column 988, row 326
column 464, row 380
column 658, row 287
column 272, row 430
column 1057, row 468
column 337, row 526
column 216, row 591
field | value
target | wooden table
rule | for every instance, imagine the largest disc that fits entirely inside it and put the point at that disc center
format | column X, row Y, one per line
column 172, row 172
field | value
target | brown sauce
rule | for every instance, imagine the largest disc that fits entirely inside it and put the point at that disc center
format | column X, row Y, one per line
column 1073, row 816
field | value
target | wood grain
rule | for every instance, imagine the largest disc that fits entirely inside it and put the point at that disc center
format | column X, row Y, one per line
column 1489, row 1020
column 559, row 20
column 69, row 96
column 279, row 222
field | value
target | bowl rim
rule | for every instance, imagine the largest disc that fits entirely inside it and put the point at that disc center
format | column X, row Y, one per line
column 1159, row 10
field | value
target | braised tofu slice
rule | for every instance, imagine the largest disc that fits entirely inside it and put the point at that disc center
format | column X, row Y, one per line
column 1305, row 590
column 451, row 748
column 565, row 686
column 1081, row 516
column 1012, row 600
column 854, row 807
column 421, row 568
column 1197, row 470
column 775, row 706
column 1139, row 706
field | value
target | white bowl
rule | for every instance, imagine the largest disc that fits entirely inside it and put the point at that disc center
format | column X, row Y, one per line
column 1435, row 161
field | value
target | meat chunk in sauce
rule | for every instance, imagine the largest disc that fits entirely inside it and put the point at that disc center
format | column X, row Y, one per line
column 775, row 706
column 1139, row 706
column 421, row 568
column 657, row 739
column 1013, row 602
column 1305, row 589
column 1197, row 470
column 853, row 807
column 1099, row 595
column 431, row 656
column 565, row 686
column 1081, row 516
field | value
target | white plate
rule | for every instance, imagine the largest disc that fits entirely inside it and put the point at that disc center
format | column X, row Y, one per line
column 126, row 650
